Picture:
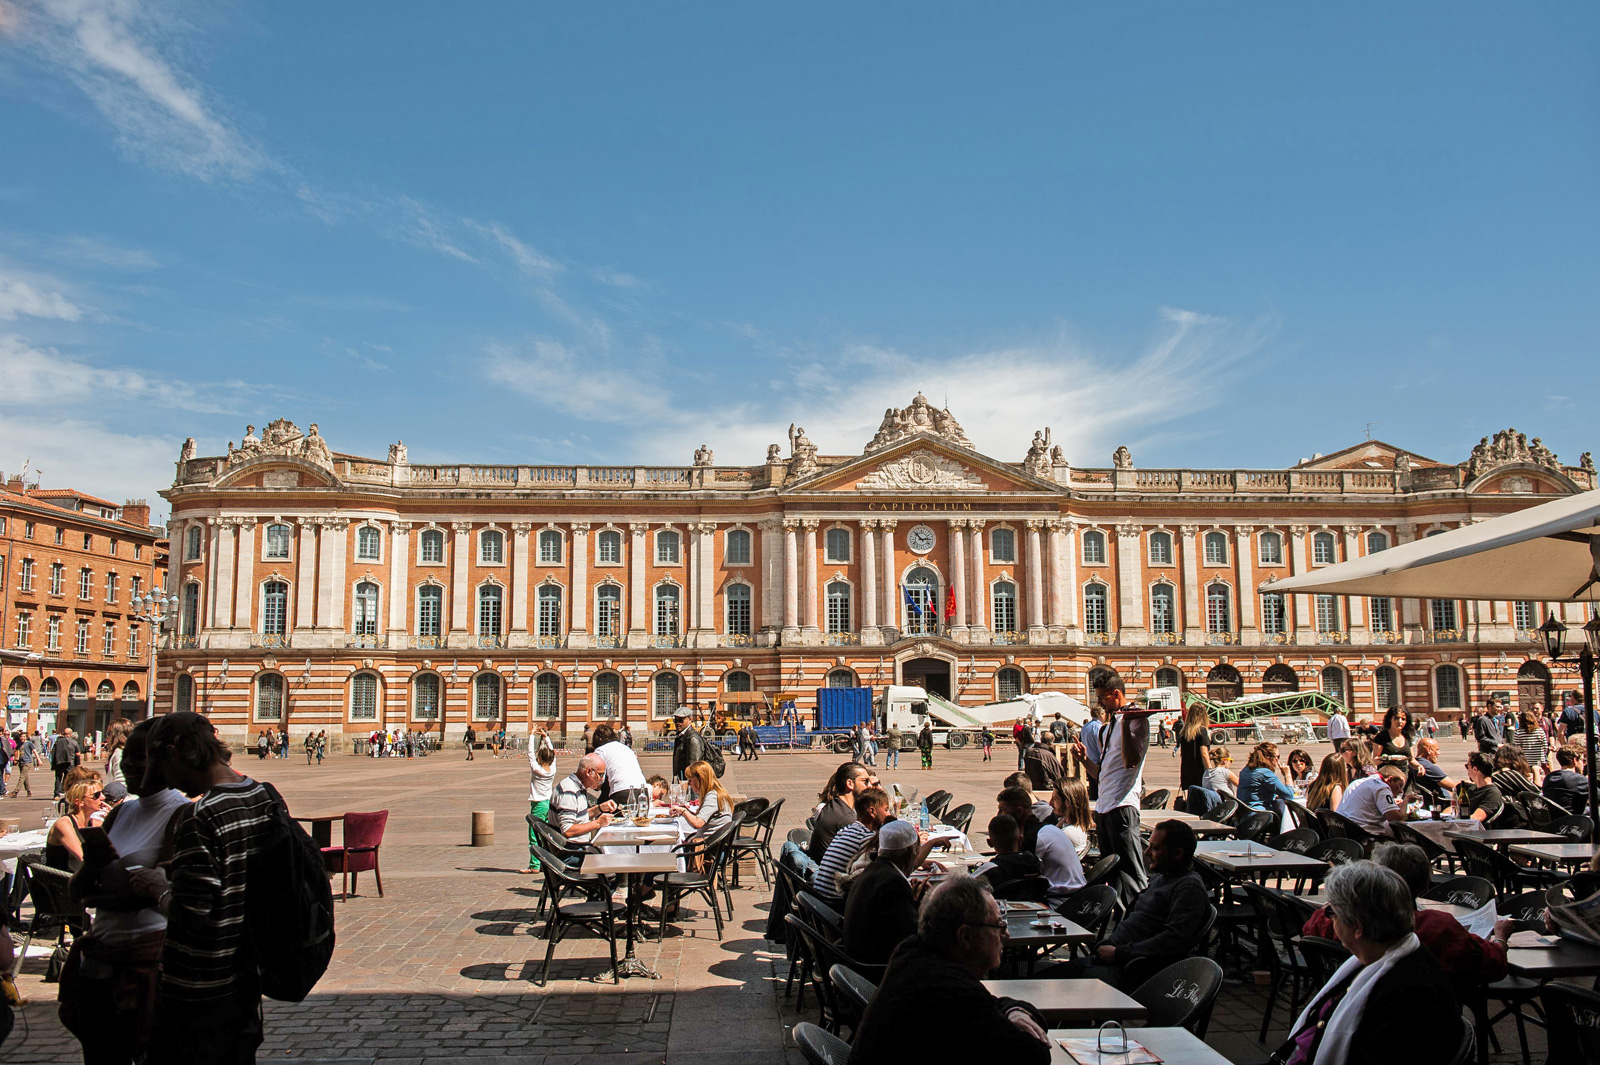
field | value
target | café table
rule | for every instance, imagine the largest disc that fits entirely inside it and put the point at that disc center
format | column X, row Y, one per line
column 14, row 844
column 635, row 837
column 631, row 866
column 1505, row 837
column 1022, row 937
column 1174, row 1046
column 1568, row 957
column 1067, row 1002
column 1199, row 825
column 1568, row 854
column 1240, row 858
column 321, row 827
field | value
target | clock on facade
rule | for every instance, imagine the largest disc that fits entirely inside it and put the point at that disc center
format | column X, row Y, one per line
column 920, row 539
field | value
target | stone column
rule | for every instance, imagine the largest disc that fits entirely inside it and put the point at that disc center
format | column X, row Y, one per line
column 689, row 595
column 227, row 529
column 340, row 528
column 638, row 594
column 460, row 594
column 1304, row 625
column 1244, row 551
column 958, row 577
column 305, row 584
column 244, row 593
column 810, row 630
column 399, row 589
column 1064, row 575
column 208, row 617
column 891, row 587
column 578, row 608
column 1193, row 619
column 1356, row 604
column 518, row 578
column 707, row 584
column 791, row 581
column 977, row 626
column 771, row 574
column 870, row 633
column 1130, row 579
column 1036, row 629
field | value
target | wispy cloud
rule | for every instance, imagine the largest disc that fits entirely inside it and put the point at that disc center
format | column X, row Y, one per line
column 23, row 297
column 43, row 378
column 70, row 452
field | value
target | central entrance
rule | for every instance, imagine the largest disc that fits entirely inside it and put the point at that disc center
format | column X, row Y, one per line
column 932, row 675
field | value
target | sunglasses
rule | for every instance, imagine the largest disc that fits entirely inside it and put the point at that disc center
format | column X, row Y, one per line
column 97, row 795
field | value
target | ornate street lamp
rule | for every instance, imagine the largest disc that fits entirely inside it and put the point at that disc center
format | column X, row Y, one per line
column 1555, row 634
column 157, row 610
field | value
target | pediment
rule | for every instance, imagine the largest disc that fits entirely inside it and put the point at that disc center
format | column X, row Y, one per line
column 275, row 471
column 922, row 464
column 1523, row 478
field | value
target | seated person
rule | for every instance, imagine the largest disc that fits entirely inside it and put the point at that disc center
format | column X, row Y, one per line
column 1216, row 782
column 872, row 810
column 1166, row 919
column 1041, row 808
column 1355, row 1016
column 1512, row 773
column 1010, row 861
column 1327, row 791
column 63, row 846
column 1567, row 787
column 1058, row 858
column 1043, row 767
column 1478, row 798
column 1374, row 801
column 659, row 790
column 1430, row 774
column 1073, row 814
column 1260, row 786
column 881, row 909
column 711, row 808
column 838, row 806
column 937, row 974
column 570, row 809
column 1471, row 963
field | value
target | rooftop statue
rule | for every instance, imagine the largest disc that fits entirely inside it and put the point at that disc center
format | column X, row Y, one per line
column 920, row 416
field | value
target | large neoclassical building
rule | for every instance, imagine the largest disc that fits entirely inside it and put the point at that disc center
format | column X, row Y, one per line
column 320, row 590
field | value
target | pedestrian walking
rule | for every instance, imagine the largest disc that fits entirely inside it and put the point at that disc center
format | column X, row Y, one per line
column 925, row 744
column 26, row 758
column 891, row 747
column 322, row 745
column 311, row 746
column 872, row 744
column 987, row 736
column 470, row 738
column 64, row 756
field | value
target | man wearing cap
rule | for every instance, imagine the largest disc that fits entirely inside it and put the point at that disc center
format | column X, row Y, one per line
column 881, row 909
column 689, row 747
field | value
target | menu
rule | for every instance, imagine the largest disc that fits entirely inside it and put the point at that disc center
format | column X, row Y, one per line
column 1089, row 1050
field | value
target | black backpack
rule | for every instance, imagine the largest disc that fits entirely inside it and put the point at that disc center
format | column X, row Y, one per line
column 288, row 907
column 712, row 753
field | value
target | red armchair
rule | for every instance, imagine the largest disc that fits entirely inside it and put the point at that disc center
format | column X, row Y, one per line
column 363, row 835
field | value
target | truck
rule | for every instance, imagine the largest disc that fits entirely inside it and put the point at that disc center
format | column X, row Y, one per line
column 955, row 725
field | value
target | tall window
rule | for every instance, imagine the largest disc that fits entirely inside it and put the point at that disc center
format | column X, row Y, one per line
column 275, row 608
column 364, row 697
column 369, row 544
column 1216, row 549
column 1094, row 609
column 1333, row 683
column 486, row 697
column 549, row 610
column 24, row 628
column 489, row 603
column 550, row 548
column 1322, row 549
column 276, row 545
column 189, row 616
column 1272, row 613
column 491, row 547
column 1161, row 608
column 1160, row 549
column 737, row 598
column 608, row 610
column 133, row 641
column 668, row 546
column 52, row 632
column 607, row 695
column 841, row 678
column 1219, row 611
column 430, row 610
column 736, row 550
column 1447, row 682
column 85, row 583
column 425, row 697
column 836, row 546
column 1386, row 683
column 547, row 695
column 1003, row 545
column 81, row 643
column 1377, row 541
column 1094, row 548
column 431, row 545
column 1270, row 549
column 838, row 593
column 1381, row 612
column 667, row 610
column 135, row 586
column 366, row 609
column 111, row 587
column 921, row 601
column 191, row 544
column 269, row 697
column 58, row 577
column 108, row 639
column 1003, row 597
column 27, row 575
column 1443, row 613
column 1523, row 614
column 608, row 547
column 664, row 693
column 1327, row 614
column 1008, row 683
column 185, row 696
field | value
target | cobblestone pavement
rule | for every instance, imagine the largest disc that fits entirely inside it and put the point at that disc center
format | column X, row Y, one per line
column 445, row 965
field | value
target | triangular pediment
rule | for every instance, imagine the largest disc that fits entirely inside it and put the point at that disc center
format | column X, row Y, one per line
column 922, row 464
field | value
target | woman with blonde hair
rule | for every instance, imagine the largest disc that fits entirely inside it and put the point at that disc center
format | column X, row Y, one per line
column 712, row 807
column 1358, row 758
column 1327, row 790
column 63, row 846
column 1218, row 781
column 1194, row 745
column 1070, row 801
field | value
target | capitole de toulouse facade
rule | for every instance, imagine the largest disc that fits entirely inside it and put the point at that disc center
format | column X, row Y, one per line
column 321, row 590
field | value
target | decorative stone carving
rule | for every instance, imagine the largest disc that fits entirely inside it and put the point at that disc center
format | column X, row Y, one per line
column 282, row 437
column 774, row 454
column 397, row 454
column 1586, row 462
column 1122, row 458
column 1509, row 447
column 1038, row 460
column 280, row 479
column 802, row 453
column 922, row 470
column 187, row 452
column 1057, row 456
column 703, row 455
column 920, row 416
column 1402, row 463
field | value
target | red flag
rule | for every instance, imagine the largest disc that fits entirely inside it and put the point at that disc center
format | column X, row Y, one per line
column 949, row 603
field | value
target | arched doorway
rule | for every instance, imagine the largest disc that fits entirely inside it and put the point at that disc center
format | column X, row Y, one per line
column 1223, row 684
column 1280, row 678
column 932, row 675
column 1533, row 685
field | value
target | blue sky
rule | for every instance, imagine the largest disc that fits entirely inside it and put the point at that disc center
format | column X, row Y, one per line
column 1223, row 234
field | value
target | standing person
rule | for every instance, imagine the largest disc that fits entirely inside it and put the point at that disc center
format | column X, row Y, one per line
column 925, row 744
column 322, row 745
column 311, row 746
column 891, row 747
column 625, row 781
column 261, row 745
column 1194, row 748
column 588, row 738
column 1532, row 742
column 64, row 755
column 626, row 735
column 689, row 747
column 1338, row 727
column 872, row 743
column 283, row 744
column 1116, row 811
column 987, row 737
column 1019, row 739
column 1394, row 740
column 1572, row 722
column 1486, row 730
column 27, row 757
column 1089, row 751
column 542, row 767
column 471, row 738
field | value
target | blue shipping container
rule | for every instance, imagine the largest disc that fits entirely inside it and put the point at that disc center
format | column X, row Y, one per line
column 843, row 708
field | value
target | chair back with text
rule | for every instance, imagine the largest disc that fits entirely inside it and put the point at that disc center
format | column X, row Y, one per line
column 1573, row 1017
column 1181, row 995
column 1473, row 891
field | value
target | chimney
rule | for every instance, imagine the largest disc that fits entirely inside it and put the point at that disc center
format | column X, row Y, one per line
column 136, row 512
column 14, row 483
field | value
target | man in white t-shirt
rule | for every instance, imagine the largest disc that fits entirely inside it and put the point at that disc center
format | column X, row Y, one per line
column 625, row 781
column 1374, row 801
column 1058, row 858
column 1338, row 729
column 1126, row 741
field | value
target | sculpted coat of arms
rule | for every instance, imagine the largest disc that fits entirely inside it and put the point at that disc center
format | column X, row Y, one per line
column 922, row 470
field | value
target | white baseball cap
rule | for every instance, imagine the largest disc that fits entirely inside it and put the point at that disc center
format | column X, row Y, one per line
column 897, row 836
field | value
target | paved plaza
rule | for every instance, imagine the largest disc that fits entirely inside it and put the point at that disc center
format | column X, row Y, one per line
column 445, row 965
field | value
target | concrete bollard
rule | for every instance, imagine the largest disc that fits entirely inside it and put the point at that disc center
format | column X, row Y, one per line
column 483, row 828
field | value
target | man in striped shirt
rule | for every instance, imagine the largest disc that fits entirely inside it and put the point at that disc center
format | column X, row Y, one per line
column 872, row 810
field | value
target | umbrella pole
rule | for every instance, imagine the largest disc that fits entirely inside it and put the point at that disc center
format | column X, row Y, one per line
column 1586, row 665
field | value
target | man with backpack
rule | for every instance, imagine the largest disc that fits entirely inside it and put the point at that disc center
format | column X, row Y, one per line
column 64, row 755
column 689, row 747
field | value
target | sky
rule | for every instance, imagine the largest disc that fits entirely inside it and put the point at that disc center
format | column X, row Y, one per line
column 1222, row 234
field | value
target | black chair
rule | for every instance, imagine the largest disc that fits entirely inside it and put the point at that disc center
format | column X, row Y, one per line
column 1335, row 851
column 1155, row 800
column 1570, row 1014
column 751, row 808
column 1102, row 871
column 1470, row 891
column 1023, row 889
column 757, row 843
column 1278, row 925
column 1467, row 1051
column 1296, row 840
column 819, row 1047
column 1527, row 907
column 1225, row 811
column 851, row 993
column 1336, row 825
column 821, row 916
column 1139, row 970
column 1481, row 860
column 54, row 911
column 711, row 854
column 1256, row 826
column 1323, row 958
column 1304, row 818
column 594, row 915
column 1091, row 907
column 1181, row 995
column 808, row 953
column 1576, row 827
column 800, row 837
column 836, row 1008
column 938, row 802
column 1404, row 833
column 960, row 818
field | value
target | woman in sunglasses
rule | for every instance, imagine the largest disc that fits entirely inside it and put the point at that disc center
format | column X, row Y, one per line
column 63, row 847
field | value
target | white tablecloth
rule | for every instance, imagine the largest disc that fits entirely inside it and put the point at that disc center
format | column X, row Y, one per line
column 15, row 843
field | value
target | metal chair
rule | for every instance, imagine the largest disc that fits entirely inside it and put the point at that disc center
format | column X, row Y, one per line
column 1576, row 827
column 53, row 908
column 1181, row 995
column 1323, row 957
column 1481, row 860
column 1296, row 840
column 800, row 837
column 851, row 992
column 1526, row 907
column 818, row 1047
column 1303, row 818
column 1569, row 1013
column 1023, row 889
column 1471, row 891
column 1256, row 826
column 1102, row 871
column 1404, row 833
column 808, row 954
column 960, row 818
column 1224, row 812
column 1091, row 907
column 938, row 802
column 836, row 1009
column 712, row 855
column 758, row 844
column 594, row 915
column 1278, row 925
column 1156, row 800
column 1336, row 825
column 823, row 917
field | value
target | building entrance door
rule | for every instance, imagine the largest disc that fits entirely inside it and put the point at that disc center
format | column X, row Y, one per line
column 932, row 675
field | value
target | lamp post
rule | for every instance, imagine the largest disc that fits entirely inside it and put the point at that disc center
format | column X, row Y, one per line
column 1555, row 637
column 157, row 610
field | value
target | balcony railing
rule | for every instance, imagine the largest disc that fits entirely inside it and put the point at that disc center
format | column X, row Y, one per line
column 550, row 643
column 1446, row 635
column 427, row 643
column 1166, row 639
column 608, row 643
column 1219, row 639
column 668, row 640
column 186, row 643
column 1333, row 637
column 1004, row 636
column 738, row 639
column 492, row 642
column 1277, row 638
column 1528, row 636
column 843, row 639
column 1387, row 636
column 1099, row 639
column 269, row 639
column 366, row 639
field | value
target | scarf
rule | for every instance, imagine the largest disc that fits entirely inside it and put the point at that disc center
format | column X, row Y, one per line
column 1335, row 1046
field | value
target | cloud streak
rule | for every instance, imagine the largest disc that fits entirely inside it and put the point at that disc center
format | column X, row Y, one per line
column 19, row 297
column 35, row 378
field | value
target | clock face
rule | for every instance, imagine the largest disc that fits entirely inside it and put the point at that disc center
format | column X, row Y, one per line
column 920, row 539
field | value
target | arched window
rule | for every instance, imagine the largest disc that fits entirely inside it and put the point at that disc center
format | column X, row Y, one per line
column 18, row 693
column 1094, row 548
column 1167, row 677
column 1219, row 608
column 364, row 697
column 1323, row 551
column 1008, row 683
column 431, row 546
column 130, row 692
column 841, row 678
column 369, row 544
column 1327, row 608
column 489, row 610
column 1447, row 687
column 838, row 593
column 1216, row 549
column 1271, row 549
column 274, row 608
column 189, row 616
column 491, row 547
column 1377, row 541
column 921, row 601
column 608, row 548
column 78, row 691
column 1003, row 606
column 608, row 610
column 1274, row 620
column 1386, row 684
column 366, row 609
column 486, row 697
column 1162, row 611
column 1002, row 545
column 191, row 544
column 185, row 697
column 1279, row 678
column 664, row 687
column 1332, row 681
column 550, row 548
column 736, row 548
column 607, row 695
column 737, row 680
column 430, row 610
column 1160, row 549
column 736, row 600
column 836, row 546
column 425, row 697
column 269, row 697
column 549, row 620
column 275, row 545
column 667, row 617
column 1442, row 612
column 668, row 548
column 547, row 695
column 1094, row 609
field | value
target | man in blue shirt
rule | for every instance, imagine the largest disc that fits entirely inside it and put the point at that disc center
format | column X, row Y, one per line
column 1571, row 722
column 1089, row 757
